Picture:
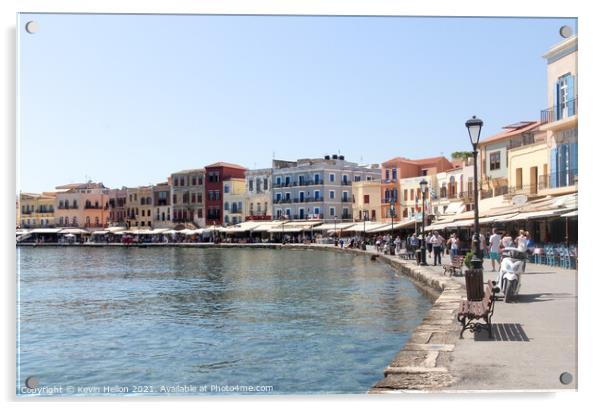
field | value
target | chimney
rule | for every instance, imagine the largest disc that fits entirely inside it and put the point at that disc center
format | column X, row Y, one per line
column 326, row 156
column 335, row 156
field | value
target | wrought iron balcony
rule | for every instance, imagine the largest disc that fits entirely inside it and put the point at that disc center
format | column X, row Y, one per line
column 557, row 113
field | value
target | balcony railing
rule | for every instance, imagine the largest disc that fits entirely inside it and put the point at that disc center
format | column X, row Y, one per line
column 522, row 190
column 558, row 179
column 557, row 113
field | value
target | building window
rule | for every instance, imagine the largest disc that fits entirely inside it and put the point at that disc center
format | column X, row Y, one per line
column 366, row 199
column 331, row 194
column 278, row 181
column 193, row 180
column 331, row 210
column 331, row 177
column 357, row 178
column 317, row 211
column 394, row 174
column 226, row 188
column 226, row 206
column 250, row 184
column 316, row 195
column 494, row 160
column 265, row 184
column 317, row 178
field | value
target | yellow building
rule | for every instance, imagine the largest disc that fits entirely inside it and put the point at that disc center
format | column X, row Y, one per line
column 366, row 201
column 234, row 199
column 36, row 210
column 526, row 164
column 139, row 207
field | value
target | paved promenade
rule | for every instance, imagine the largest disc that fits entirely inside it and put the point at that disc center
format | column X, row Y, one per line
column 535, row 337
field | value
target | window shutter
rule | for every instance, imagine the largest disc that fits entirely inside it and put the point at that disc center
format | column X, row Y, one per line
column 573, row 149
column 556, row 108
column 553, row 174
column 571, row 94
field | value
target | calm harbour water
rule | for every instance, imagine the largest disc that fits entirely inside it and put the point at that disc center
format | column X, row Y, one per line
column 301, row 321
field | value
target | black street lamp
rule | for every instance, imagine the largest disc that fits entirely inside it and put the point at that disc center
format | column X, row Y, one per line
column 474, row 126
column 423, row 187
column 336, row 242
column 392, row 212
column 365, row 214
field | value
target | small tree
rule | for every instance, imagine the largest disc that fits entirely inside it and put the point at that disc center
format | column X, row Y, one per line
column 461, row 155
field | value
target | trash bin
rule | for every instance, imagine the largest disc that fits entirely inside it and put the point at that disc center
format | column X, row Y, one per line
column 417, row 254
column 474, row 284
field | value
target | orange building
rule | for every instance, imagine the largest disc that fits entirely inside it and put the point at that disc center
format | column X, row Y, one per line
column 397, row 169
column 84, row 205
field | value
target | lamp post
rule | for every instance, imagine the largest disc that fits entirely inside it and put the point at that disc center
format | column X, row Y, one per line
column 474, row 126
column 365, row 213
column 423, row 187
column 392, row 212
column 336, row 242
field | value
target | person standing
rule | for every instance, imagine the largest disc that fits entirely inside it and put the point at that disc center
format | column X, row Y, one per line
column 507, row 241
column 397, row 245
column 436, row 242
column 495, row 241
column 454, row 245
column 429, row 244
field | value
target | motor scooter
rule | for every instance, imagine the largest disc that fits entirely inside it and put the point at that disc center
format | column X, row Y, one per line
column 511, row 268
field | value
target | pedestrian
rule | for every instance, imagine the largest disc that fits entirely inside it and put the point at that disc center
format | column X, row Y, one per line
column 507, row 240
column 414, row 242
column 436, row 242
column 495, row 241
column 454, row 245
column 397, row 245
column 429, row 245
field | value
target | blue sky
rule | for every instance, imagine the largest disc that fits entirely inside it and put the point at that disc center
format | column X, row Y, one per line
column 128, row 99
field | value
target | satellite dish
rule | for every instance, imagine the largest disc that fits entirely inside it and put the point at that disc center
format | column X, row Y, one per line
column 566, row 31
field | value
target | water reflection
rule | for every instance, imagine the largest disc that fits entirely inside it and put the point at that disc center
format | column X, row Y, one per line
column 302, row 321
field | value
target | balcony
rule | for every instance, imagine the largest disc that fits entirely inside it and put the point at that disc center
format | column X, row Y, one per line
column 346, row 200
column 557, row 113
column 521, row 190
column 562, row 179
column 89, row 206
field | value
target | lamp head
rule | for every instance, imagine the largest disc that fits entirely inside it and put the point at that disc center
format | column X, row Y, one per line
column 474, row 126
column 423, row 186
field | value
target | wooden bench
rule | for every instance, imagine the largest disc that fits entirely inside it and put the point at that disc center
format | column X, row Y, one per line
column 455, row 266
column 472, row 311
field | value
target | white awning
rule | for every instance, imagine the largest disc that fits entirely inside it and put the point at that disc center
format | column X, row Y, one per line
column 497, row 218
column 266, row 226
column 329, row 226
column 75, row 231
column 46, row 230
column 533, row 215
column 114, row 229
column 570, row 214
column 100, row 232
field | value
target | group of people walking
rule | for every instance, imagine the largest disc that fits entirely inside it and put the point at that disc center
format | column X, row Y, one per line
column 437, row 245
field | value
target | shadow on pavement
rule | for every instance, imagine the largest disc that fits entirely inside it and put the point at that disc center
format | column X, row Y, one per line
column 542, row 297
column 503, row 332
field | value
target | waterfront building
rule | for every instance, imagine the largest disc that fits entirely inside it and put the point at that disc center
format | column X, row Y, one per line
column 453, row 190
column 216, row 174
column 36, row 210
column 258, row 195
column 188, row 197
column 139, row 207
column 234, row 199
column 117, row 206
column 317, row 188
column 83, row 205
column 494, row 156
column 559, row 120
column 366, row 201
column 399, row 169
column 162, row 205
